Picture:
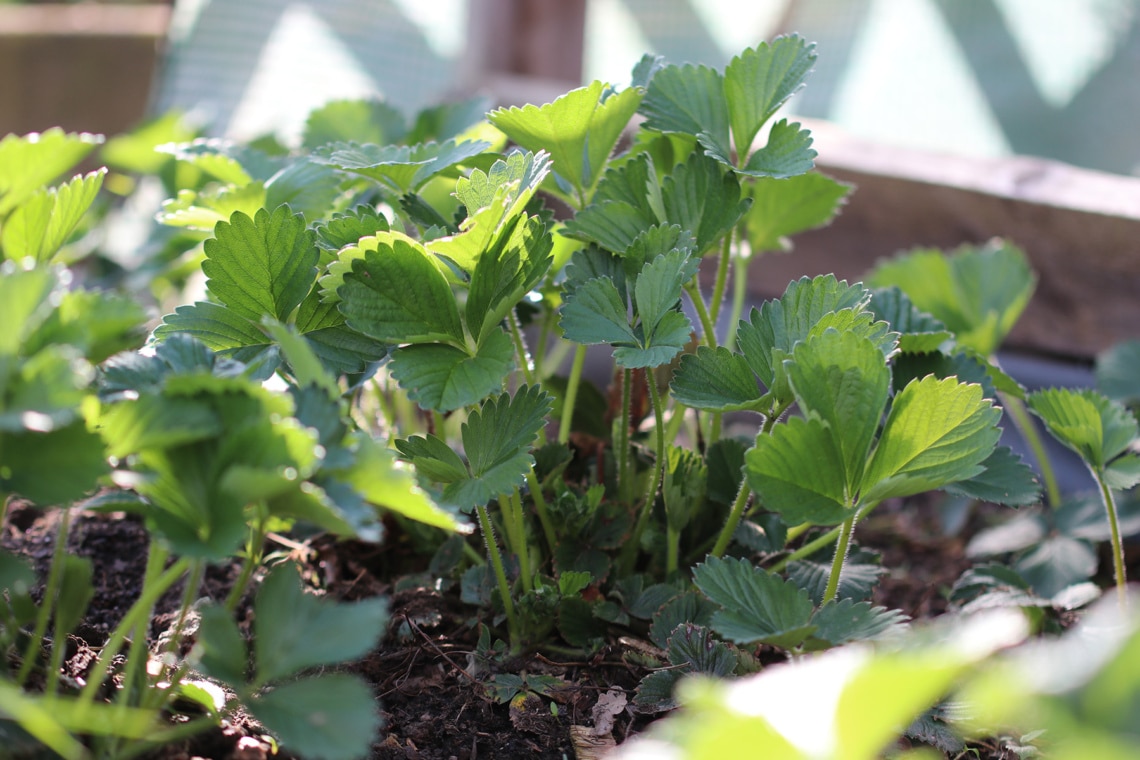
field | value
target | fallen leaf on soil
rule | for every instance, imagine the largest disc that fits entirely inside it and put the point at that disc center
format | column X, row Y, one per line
column 609, row 706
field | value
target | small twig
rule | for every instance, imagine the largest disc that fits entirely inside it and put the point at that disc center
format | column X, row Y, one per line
column 437, row 650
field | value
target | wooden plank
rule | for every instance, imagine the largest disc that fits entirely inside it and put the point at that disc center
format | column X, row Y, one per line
column 543, row 39
column 1080, row 228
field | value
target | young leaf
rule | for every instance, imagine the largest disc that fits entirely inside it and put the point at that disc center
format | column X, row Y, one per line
column 787, row 153
column 657, row 296
column 843, row 379
column 505, row 273
column 40, row 226
column 296, row 630
column 760, row 80
column 327, row 717
column 29, row 162
column 783, row 207
column 395, row 293
column 937, row 432
column 348, row 227
column 1088, row 422
column 691, row 649
column 578, row 130
column 512, row 182
column 262, row 266
column 203, row 210
column 799, row 472
column 758, row 607
column 444, row 378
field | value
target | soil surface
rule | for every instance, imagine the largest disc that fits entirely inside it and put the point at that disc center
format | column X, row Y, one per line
column 421, row 672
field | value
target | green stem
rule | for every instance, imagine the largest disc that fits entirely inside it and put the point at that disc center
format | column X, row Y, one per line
column 1029, row 433
column 840, row 559
column 252, row 559
column 796, row 531
column 733, row 520
column 520, row 347
column 136, row 615
column 541, row 509
column 676, row 420
column 672, row 548
column 629, row 553
column 543, row 338
column 808, row 549
column 715, row 421
column 1117, row 545
column 721, row 282
column 137, row 649
column 500, row 574
column 572, row 384
column 515, row 527
column 51, row 591
column 625, row 477
column 739, row 293
column 707, row 324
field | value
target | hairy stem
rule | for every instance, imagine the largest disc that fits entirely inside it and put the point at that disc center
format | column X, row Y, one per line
column 734, row 515
column 707, row 324
column 1117, row 544
column 51, row 592
column 625, row 477
column 572, row 384
column 541, row 509
column 500, row 574
column 253, row 550
column 515, row 527
column 629, row 553
column 1032, row 437
column 739, row 293
column 724, row 262
column 520, row 347
column 840, row 559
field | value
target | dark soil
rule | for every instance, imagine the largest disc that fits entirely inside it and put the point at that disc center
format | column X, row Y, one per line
column 433, row 707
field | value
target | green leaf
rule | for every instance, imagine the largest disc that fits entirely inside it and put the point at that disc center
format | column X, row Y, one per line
column 1123, row 472
column 842, row 379
column 772, row 331
column 433, row 458
column 758, row 607
column 444, row 378
column 204, row 209
column 691, row 100
column 1055, row 563
column 152, row 421
column 788, row 153
column 595, row 312
column 29, row 162
column 400, row 168
column 498, row 436
column 24, row 306
column 760, row 80
column 862, row 574
column 846, row 620
column 1118, row 372
column 505, row 273
column 309, row 188
column 798, row 471
column 367, row 120
column 221, row 329
column 511, row 182
column 977, row 292
column 396, row 294
column 920, row 332
column 222, row 649
column 348, row 227
column 328, row 717
column 1006, row 479
column 295, row 630
column 657, row 297
column 688, row 607
column 783, row 207
column 937, row 432
column 1086, row 421
column 52, row 468
column 262, row 266
column 306, row 367
column 41, row 225
column 75, row 593
column 716, row 380
column 385, row 481
column 627, row 202
column 215, row 157
column 578, row 130
column 703, row 198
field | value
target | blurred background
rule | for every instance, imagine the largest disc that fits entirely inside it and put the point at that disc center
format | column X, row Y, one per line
column 1050, row 78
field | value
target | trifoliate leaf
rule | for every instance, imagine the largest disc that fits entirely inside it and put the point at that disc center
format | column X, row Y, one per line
column 41, row 225
column 693, row 648
column 788, row 153
column 578, row 130
column 444, row 378
column 395, row 293
column 919, row 332
column 433, row 458
column 1006, row 479
column 758, row 607
column 760, row 80
column 327, row 717
column 703, row 198
column 691, row 100
column 221, row 329
column 653, row 242
column 262, row 266
column 783, row 207
column 937, row 432
column 339, row 348
column 657, row 296
column 29, row 162
column 843, row 379
column 716, row 380
column 511, row 182
column 296, row 630
column 503, row 429
column 846, row 620
column 367, row 120
column 348, row 227
column 1118, row 372
column 798, row 471
column 1086, row 421
column 977, row 292
column 400, row 168
column 1123, row 472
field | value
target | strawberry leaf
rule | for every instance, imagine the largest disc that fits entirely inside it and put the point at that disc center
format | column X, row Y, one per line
column 760, row 80
column 348, row 227
column 443, row 378
column 703, row 198
column 798, row 471
column 783, row 207
column 41, row 225
column 1086, row 421
column 847, row 620
column 759, row 608
column 691, row 100
column 787, row 153
column 327, row 717
column 221, row 329
column 716, row 380
column 1006, row 479
column 29, row 162
column 400, row 168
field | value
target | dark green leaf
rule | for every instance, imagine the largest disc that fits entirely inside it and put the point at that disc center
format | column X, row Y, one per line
column 596, row 313
column 760, row 80
column 716, row 380
column 348, row 227
column 444, row 378
column 704, row 198
column 845, row 620
column 1056, row 563
column 222, row 650
column 784, row 207
column 75, row 594
column 798, row 471
column 1007, row 479
column 689, row 99
column 788, row 153
column 1118, row 372
column 52, row 468
column 758, row 607
column 920, row 332
column 862, row 573
column 401, row 168
column 219, row 328
column 329, row 717
column 308, row 188
column 689, row 607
